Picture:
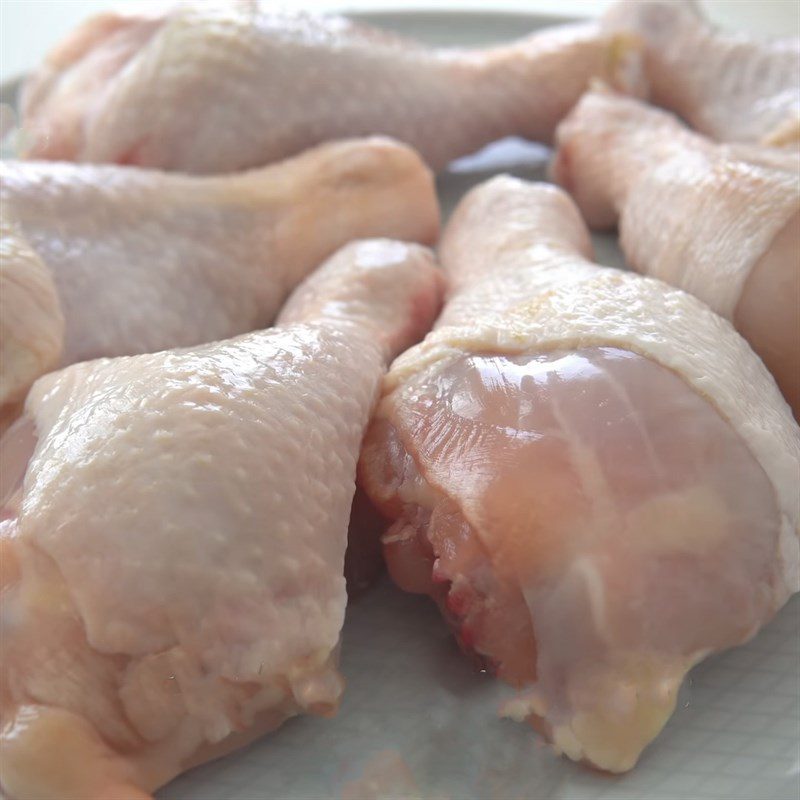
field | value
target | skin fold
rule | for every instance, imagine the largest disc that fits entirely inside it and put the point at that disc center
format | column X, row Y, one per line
column 211, row 88
column 128, row 261
column 719, row 221
column 730, row 86
column 173, row 535
column 592, row 474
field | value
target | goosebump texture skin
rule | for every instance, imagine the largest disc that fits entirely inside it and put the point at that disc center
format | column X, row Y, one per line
column 588, row 470
column 177, row 524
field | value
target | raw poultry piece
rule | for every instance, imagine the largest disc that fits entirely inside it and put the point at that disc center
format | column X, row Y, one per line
column 721, row 222
column 173, row 536
column 31, row 320
column 729, row 85
column 137, row 261
column 589, row 470
column 208, row 88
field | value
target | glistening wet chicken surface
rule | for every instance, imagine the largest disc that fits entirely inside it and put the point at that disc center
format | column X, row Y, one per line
column 591, row 491
column 133, row 667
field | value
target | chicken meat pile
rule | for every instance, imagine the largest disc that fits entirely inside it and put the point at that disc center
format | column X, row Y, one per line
column 227, row 301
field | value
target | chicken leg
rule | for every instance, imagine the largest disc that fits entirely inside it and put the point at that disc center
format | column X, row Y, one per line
column 143, row 261
column 590, row 471
column 210, row 89
column 729, row 86
column 173, row 536
column 721, row 222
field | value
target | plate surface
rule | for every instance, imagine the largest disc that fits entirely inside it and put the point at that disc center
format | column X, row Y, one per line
column 418, row 722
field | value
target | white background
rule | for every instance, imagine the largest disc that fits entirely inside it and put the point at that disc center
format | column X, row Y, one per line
column 29, row 27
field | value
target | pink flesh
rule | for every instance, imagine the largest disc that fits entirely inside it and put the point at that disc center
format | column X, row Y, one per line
column 578, row 505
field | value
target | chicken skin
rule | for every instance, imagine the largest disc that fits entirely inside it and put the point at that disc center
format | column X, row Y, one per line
column 211, row 88
column 730, row 86
column 134, row 261
column 589, row 470
column 31, row 320
column 721, row 222
column 173, row 535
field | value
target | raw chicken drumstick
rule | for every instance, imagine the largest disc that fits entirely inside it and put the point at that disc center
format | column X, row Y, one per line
column 172, row 563
column 206, row 89
column 721, row 222
column 590, row 471
column 133, row 261
column 728, row 85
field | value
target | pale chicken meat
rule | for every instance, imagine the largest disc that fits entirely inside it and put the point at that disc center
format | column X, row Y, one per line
column 721, row 222
column 210, row 88
column 589, row 470
column 173, row 535
column 729, row 85
column 31, row 320
column 129, row 261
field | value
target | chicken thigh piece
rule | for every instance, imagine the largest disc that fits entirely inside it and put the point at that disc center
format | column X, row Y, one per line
column 731, row 86
column 205, row 88
column 721, row 222
column 173, row 535
column 589, row 470
column 137, row 261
